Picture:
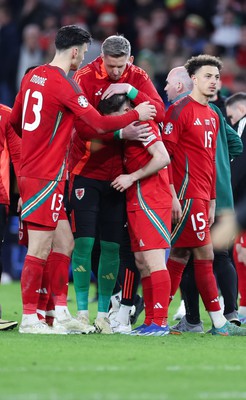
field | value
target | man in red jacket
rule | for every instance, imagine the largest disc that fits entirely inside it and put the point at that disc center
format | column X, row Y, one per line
column 96, row 207
column 9, row 148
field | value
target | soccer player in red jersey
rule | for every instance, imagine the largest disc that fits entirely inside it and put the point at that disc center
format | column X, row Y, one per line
column 190, row 133
column 43, row 115
column 10, row 145
column 93, row 166
column 149, row 204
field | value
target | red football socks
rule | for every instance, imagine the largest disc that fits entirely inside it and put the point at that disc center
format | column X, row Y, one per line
column 206, row 284
column 175, row 270
column 148, row 300
column 161, row 286
column 31, row 279
column 59, row 272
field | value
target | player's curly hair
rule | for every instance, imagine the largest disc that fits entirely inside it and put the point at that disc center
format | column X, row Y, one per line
column 196, row 62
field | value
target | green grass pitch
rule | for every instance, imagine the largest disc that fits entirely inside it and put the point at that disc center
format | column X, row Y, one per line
column 117, row 367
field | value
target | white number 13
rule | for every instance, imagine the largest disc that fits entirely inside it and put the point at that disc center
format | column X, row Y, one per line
column 36, row 108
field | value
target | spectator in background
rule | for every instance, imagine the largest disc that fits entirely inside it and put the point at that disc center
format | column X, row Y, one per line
column 227, row 34
column 241, row 48
column 171, row 51
column 34, row 12
column 239, row 82
column 230, row 70
column 30, row 51
column 195, row 36
column 9, row 48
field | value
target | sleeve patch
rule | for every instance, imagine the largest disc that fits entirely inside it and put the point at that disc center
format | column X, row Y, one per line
column 168, row 128
column 83, row 102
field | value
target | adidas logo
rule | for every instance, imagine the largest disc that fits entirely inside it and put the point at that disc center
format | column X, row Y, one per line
column 109, row 276
column 158, row 305
column 215, row 300
column 197, row 122
column 80, row 268
column 42, row 291
column 141, row 243
column 99, row 93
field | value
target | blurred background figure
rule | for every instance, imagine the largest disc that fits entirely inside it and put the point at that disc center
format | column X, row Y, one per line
column 30, row 51
column 9, row 48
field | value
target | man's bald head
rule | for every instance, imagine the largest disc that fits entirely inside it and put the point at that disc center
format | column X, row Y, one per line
column 178, row 83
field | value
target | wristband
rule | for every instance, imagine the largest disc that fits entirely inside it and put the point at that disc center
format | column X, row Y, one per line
column 118, row 134
column 132, row 93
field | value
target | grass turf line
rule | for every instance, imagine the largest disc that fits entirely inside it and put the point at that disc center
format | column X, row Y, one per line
column 117, row 367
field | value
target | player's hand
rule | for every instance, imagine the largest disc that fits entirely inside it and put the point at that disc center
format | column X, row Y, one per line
column 176, row 210
column 115, row 88
column 136, row 131
column 122, row 182
column 146, row 111
column 241, row 253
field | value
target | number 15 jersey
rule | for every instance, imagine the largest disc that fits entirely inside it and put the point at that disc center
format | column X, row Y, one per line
column 190, row 134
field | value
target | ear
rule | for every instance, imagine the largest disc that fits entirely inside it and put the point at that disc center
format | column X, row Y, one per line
column 126, row 109
column 194, row 79
column 131, row 59
column 74, row 52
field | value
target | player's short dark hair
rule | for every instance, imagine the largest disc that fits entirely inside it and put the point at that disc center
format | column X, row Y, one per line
column 196, row 62
column 116, row 46
column 71, row 35
column 112, row 104
column 235, row 98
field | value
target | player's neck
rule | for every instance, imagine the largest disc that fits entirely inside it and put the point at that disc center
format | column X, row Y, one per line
column 199, row 97
column 62, row 63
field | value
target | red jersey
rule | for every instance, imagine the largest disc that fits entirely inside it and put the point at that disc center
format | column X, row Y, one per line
column 106, row 164
column 190, row 133
column 152, row 192
column 46, row 104
column 10, row 145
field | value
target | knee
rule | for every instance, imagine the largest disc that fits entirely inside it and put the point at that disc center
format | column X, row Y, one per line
column 65, row 247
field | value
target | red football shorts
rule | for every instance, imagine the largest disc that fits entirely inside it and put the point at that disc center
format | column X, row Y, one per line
column 193, row 229
column 42, row 201
column 149, row 229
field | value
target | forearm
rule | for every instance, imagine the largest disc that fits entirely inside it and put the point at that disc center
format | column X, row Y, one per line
column 153, row 166
column 139, row 96
column 103, row 124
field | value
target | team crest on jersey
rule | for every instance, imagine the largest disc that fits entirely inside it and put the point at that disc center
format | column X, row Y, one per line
column 55, row 216
column 168, row 128
column 83, row 102
column 201, row 235
column 213, row 122
column 79, row 193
